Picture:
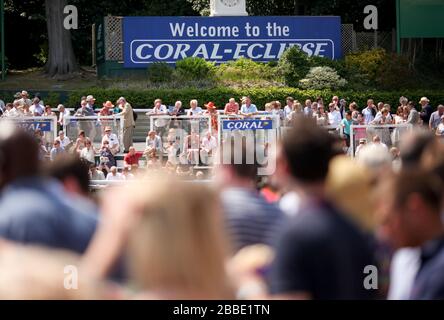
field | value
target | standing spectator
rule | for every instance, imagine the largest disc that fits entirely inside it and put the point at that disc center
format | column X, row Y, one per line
column 88, row 153
column 399, row 117
column 247, row 109
column 194, row 110
column 2, row 107
column 214, row 115
column 250, row 219
column 410, row 215
column 413, row 115
column 440, row 129
column 82, row 111
column 361, row 145
column 107, row 110
column 64, row 141
column 321, row 116
column 334, row 116
column 127, row 174
column 345, row 124
column 319, row 234
column 158, row 109
column 426, row 110
column 33, row 210
column 128, row 122
column 63, row 113
column 90, row 100
column 308, row 111
column 24, row 99
column 177, row 110
column 289, row 107
column 232, row 107
column 114, row 145
column 36, row 108
column 56, row 150
column 369, row 112
column 435, row 118
column 48, row 111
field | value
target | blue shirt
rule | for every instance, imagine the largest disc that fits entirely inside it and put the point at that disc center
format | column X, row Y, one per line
column 250, row 109
column 35, row 211
column 429, row 281
column 250, row 219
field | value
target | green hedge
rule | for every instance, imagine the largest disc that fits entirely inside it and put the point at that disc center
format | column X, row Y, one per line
column 220, row 96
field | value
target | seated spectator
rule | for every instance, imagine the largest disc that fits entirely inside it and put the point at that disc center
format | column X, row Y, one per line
column 56, row 151
column 95, row 174
column 232, row 107
column 126, row 173
column 153, row 145
column 88, row 153
column 113, row 145
column 194, row 110
column 114, row 175
column 33, row 210
column 64, row 140
column 207, row 148
column 106, row 156
column 80, row 142
column 377, row 141
column 191, row 148
column 131, row 159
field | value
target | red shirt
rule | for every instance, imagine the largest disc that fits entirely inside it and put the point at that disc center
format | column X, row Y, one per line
column 132, row 159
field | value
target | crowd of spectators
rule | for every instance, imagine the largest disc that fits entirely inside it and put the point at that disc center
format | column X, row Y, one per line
column 311, row 230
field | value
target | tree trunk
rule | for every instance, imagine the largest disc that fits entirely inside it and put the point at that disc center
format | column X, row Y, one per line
column 61, row 59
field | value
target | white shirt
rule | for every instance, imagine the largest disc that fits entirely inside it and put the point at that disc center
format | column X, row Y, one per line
column 62, row 116
column 37, row 109
column 112, row 139
column 64, row 142
column 290, row 203
column 334, row 118
column 404, row 266
column 209, row 144
column 287, row 111
column 88, row 154
column 161, row 110
column 118, row 176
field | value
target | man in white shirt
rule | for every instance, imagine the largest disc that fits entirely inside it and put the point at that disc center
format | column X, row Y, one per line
column 289, row 107
column 208, row 147
column 25, row 99
column 64, row 141
column 194, row 110
column 114, row 145
column 36, row 108
column 368, row 111
column 63, row 112
column 158, row 109
column 95, row 174
column 247, row 109
column 113, row 175
column 334, row 116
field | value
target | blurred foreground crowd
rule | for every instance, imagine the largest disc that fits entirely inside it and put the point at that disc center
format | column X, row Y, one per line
column 323, row 226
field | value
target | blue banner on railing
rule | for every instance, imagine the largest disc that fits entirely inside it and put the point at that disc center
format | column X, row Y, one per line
column 249, row 124
column 44, row 126
column 168, row 39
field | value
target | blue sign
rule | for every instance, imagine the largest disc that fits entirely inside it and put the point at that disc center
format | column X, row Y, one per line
column 44, row 126
column 247, row 124
column 220, row 39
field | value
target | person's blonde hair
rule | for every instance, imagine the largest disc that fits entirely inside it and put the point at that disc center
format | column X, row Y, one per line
column 178, row 244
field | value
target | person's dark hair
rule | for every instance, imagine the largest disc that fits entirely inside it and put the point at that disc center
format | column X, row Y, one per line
column 349, row 112
column 242, row 166
column 70, row 166
column 413, row 149
column 19, row 155
column 308, row 150
column 427, row 185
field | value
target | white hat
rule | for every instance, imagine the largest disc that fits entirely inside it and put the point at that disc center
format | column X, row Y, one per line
column 89, row 98
column 424, row 99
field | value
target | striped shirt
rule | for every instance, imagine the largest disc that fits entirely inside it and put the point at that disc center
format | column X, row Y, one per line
column 249, row 218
